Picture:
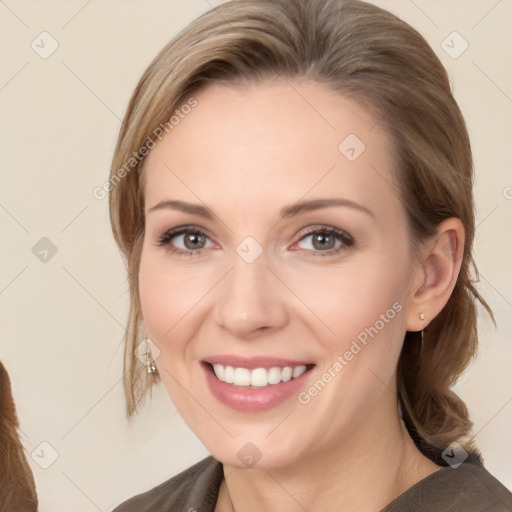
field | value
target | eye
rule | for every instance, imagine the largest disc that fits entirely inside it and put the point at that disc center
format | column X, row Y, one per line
column 185, row 240
column 325, row 241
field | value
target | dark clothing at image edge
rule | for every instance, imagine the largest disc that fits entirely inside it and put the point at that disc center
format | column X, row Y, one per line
column 468, row 488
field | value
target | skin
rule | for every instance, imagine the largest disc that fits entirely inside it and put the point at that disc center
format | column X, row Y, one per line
column 245, row 152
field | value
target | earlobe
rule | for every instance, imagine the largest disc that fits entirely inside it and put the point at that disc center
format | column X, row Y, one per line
column 440, row 266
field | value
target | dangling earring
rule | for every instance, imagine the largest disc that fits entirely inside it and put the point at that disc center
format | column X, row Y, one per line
column 150, row 363
column 422, row 318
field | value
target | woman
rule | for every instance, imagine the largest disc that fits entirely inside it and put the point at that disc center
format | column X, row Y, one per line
column 292, row 191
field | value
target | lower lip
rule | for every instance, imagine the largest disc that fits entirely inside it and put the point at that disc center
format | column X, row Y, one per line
column 252, row 399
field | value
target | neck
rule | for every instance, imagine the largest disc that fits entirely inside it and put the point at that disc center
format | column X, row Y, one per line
column 363, row 473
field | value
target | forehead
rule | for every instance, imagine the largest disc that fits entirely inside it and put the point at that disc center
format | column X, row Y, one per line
column 282, row 139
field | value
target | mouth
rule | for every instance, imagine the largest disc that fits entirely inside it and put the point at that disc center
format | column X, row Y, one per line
column 257, row 384
column 257, row 378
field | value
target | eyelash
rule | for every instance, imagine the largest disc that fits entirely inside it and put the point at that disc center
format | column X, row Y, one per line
column 345, row 238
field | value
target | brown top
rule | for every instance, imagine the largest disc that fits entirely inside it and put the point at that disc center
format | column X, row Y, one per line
column 469, row 488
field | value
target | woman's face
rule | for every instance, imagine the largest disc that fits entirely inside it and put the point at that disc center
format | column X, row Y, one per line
column 276, row 248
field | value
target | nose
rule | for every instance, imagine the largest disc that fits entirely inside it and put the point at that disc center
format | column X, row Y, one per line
column 251, row 301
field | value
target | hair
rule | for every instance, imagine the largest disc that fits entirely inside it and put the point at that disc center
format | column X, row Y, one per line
column 372, row 57
column 17, row 485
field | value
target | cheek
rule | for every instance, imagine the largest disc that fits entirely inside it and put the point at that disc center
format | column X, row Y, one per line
column 174, row 302
column 361, row 307
column 166, row 297
column 348, row 300
column 361, row 331
column 167, row 300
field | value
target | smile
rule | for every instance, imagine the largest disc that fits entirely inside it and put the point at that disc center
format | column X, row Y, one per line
column 257, row 377
column 256, row 384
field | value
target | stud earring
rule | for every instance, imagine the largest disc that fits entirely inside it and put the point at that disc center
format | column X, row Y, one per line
column 422, row 316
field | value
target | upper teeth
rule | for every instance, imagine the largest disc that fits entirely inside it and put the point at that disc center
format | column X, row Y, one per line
column 258, row 377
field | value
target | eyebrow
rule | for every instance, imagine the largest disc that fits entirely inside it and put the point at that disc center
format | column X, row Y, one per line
column 182, row 206
column 316, row 204
column 285, row 212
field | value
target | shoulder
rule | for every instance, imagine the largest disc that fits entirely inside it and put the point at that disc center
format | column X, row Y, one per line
column 468, row 488
column 195, row 489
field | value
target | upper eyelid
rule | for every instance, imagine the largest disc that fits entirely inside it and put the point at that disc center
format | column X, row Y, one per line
column 180, row 230
column 325, row 229
column 309, row 230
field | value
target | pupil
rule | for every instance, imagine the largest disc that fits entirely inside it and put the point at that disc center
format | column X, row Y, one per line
column 323, row 241
column 193, row 240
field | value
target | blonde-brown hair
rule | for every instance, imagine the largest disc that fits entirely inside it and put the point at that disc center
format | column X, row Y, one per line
column 371, row 56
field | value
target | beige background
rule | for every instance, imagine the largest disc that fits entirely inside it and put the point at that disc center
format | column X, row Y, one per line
column 62, row 320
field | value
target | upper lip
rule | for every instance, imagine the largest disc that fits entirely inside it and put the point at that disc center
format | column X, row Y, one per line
column 254, row 362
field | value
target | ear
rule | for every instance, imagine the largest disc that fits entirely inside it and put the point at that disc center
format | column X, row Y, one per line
column 440, row 262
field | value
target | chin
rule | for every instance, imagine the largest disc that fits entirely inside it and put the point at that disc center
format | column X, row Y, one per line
column 261, row 453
